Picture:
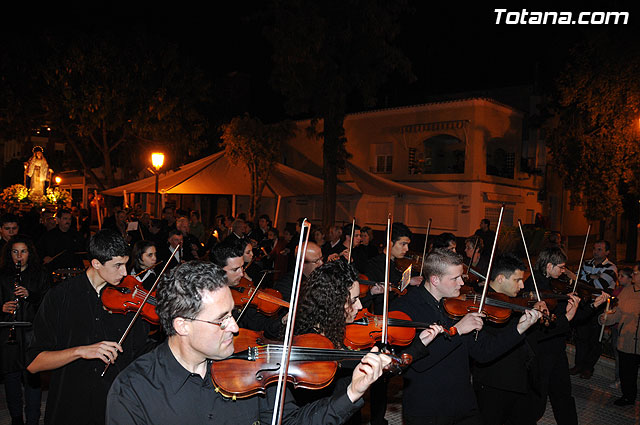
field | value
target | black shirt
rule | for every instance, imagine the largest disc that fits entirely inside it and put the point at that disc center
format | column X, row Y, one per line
column 72, row 315
column 36, row 280
column 439, row 384
column 156, row 389
column 375, row 272
column 64, row 245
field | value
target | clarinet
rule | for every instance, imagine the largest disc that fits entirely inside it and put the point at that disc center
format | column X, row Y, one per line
column 11, row 339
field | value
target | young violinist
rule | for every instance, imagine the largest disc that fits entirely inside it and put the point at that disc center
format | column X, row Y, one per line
column 172, row 384
column 75, row 337
column 554, row 381
column 375, row 271
column 437, row 386
column 143, row 259
column 400, row 240
column 229, row 255
column 328, row 303
column 507, row 387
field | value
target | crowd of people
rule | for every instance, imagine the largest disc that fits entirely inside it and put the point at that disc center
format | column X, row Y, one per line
column 104, row 368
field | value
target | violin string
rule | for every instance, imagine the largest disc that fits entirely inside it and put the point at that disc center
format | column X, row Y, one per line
column 140, row 296
column 308, row 353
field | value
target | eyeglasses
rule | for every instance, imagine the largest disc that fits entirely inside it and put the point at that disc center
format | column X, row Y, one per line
column 223, row 323
column 561, row 266
column 316, row 261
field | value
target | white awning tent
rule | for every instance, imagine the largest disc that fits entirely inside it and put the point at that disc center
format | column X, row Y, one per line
column 216, row 175
column 372, row 184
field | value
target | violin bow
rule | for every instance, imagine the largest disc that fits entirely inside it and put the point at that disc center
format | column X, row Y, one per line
column 424, row 250
column 385, row 311
column 144, row 301
column 493, row 251
column 584, row 247
column 526, row 250
column 255, row 292
column 353, row 228
column 148, row 268
column 278, row 407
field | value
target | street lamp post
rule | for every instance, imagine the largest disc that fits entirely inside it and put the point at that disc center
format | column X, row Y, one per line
column 157, row 159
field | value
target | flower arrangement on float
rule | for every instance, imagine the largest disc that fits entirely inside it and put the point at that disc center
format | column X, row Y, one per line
column 22, row 197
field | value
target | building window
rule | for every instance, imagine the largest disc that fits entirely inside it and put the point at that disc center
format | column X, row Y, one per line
column 501, row 159
column 382, row 154
column 442, row 154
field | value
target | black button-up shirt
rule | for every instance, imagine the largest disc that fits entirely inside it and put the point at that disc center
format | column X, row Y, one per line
column 439, row 384
column 72, row 315
column 157, row 389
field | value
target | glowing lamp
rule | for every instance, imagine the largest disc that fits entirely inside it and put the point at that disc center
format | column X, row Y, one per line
column 157, row 159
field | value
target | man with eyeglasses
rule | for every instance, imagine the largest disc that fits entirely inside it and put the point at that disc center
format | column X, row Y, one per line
column 172, row 384
column 75, row 337
column 550, row 351
column 312, row 260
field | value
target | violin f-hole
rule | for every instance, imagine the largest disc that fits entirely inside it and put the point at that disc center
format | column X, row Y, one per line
column 259, row 376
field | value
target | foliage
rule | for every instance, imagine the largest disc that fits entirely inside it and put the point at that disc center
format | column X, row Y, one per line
column 256, row 145
column 329, row 56
column 594, row 125
column 110, row 94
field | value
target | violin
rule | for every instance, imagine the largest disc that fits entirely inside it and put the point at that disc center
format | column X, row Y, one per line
column 550, row 297
column 585, row 291
column 366, row 283
column 256, row 364
column 472, row 277
column 268, row 301
column 366, row 330
column 408, row 260
column 128, row 296
column 497, row 307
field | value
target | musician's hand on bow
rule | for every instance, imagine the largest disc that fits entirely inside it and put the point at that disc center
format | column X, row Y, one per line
column 470, row 322
column 528, row 318
column 429, row 334
column 107, row 351
column 572, row 306
column 366, row 373
column 603, row 297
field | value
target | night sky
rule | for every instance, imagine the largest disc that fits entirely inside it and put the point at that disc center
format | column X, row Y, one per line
column 453, row 47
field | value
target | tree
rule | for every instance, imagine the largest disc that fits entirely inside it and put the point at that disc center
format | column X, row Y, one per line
column 594, row 127
column 331, row 55
column 110, row 94
column 248, row 141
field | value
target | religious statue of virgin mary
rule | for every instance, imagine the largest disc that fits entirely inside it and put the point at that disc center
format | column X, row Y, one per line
column 37, row 169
